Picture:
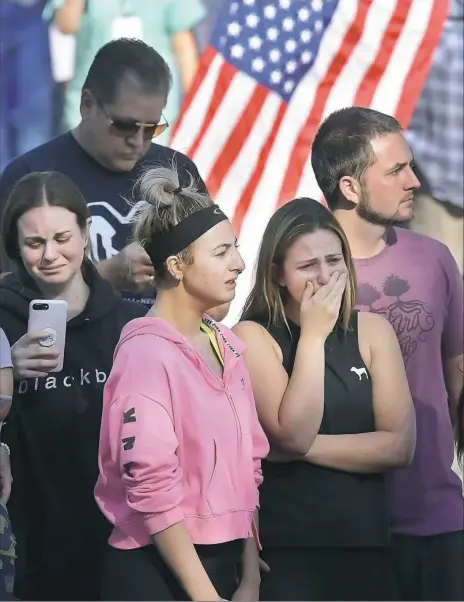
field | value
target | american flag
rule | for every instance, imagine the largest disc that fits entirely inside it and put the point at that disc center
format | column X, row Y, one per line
column 273, row 71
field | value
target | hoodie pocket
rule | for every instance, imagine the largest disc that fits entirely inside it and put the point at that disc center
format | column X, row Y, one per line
column 232, row 485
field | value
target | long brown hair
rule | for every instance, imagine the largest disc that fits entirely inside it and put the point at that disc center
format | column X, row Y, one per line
column 36, row 190
column 300, row 216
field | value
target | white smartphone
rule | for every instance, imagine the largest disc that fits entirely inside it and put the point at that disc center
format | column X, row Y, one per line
column 51, row 316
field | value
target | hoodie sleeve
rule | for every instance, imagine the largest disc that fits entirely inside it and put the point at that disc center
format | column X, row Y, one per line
column 144, row 445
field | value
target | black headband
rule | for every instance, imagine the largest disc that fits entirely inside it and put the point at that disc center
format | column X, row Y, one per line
column 173, row 241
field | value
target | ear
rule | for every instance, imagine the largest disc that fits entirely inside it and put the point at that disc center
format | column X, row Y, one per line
column 350, row 189
column 175, row 267
column 87, row 231
column 88, row 104
column 277, row 275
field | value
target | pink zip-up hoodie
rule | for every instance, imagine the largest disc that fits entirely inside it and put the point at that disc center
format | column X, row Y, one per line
column 177, row 442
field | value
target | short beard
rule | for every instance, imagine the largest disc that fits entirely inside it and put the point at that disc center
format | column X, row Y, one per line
column 365, row 211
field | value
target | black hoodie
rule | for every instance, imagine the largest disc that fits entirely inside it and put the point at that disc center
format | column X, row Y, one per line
column 53, row 432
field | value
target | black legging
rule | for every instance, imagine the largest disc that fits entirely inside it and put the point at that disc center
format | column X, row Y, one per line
column 142, row 574
column 328, row 574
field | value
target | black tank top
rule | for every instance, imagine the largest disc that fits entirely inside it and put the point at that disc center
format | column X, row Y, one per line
column 307, row 505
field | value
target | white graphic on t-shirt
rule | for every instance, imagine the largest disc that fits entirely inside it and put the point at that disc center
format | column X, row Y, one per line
column 101, row 233
column 102, row 230
column 360, row 372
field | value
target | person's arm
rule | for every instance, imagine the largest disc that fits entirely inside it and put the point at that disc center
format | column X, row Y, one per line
column 131, row 269
column 460, row 427
column 181, row 18
column 177, row 550
column 453, row 329
column 392, row 445
column 6, row 392
column 290, row 410
column 250, row 575
column 454, row 379
column 6, row 397
column 186, row 52
column 67, row 14
column 146, row 447
column 6, row 377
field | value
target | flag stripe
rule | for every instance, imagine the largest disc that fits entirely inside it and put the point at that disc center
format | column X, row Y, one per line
column 354, row 72
column 349, row 81
column 247, row 195
column 226, row 74
column 390, row 37
column 222, row 125
column 231, row 149
column 264, row 201
column 194, row 114
column 422, row 61
column 354, row 76
column 301, row 148
column 388, row 92
column 294, row 118
column 203, row 71
column 243, row 167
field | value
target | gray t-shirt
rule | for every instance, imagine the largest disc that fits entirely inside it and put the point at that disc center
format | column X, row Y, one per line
column 5, row 354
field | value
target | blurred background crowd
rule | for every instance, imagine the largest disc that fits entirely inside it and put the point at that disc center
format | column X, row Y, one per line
column 47, row 47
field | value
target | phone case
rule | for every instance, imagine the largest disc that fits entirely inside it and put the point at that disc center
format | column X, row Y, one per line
column 53, row 319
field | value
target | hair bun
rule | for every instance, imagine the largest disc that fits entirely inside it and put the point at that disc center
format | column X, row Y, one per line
column 158, row 185
column 166, row 202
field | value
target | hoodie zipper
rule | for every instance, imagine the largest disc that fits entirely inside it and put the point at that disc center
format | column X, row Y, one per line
column 228, row 395
column 222, row 380
column 227, row 345
column 237, row 420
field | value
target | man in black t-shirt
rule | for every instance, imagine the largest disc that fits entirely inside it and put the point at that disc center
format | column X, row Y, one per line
column 121, row 107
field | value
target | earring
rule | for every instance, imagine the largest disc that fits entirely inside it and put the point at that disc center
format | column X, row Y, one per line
column 180, row 278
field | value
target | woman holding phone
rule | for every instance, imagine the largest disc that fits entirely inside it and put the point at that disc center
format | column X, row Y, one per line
column 54, row 426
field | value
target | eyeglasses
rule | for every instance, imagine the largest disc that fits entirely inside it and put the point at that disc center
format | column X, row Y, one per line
column 128, row 127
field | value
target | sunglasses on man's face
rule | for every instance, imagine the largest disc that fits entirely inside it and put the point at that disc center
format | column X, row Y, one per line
column 128, row 127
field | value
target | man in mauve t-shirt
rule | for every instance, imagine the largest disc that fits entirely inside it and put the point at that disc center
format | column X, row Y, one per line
column 365, row 169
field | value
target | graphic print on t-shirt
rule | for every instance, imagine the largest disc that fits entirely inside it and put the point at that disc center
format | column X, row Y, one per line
column 110, row 229
column 410, row 319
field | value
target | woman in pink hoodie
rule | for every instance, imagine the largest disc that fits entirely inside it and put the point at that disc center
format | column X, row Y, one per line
column 181, row 445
